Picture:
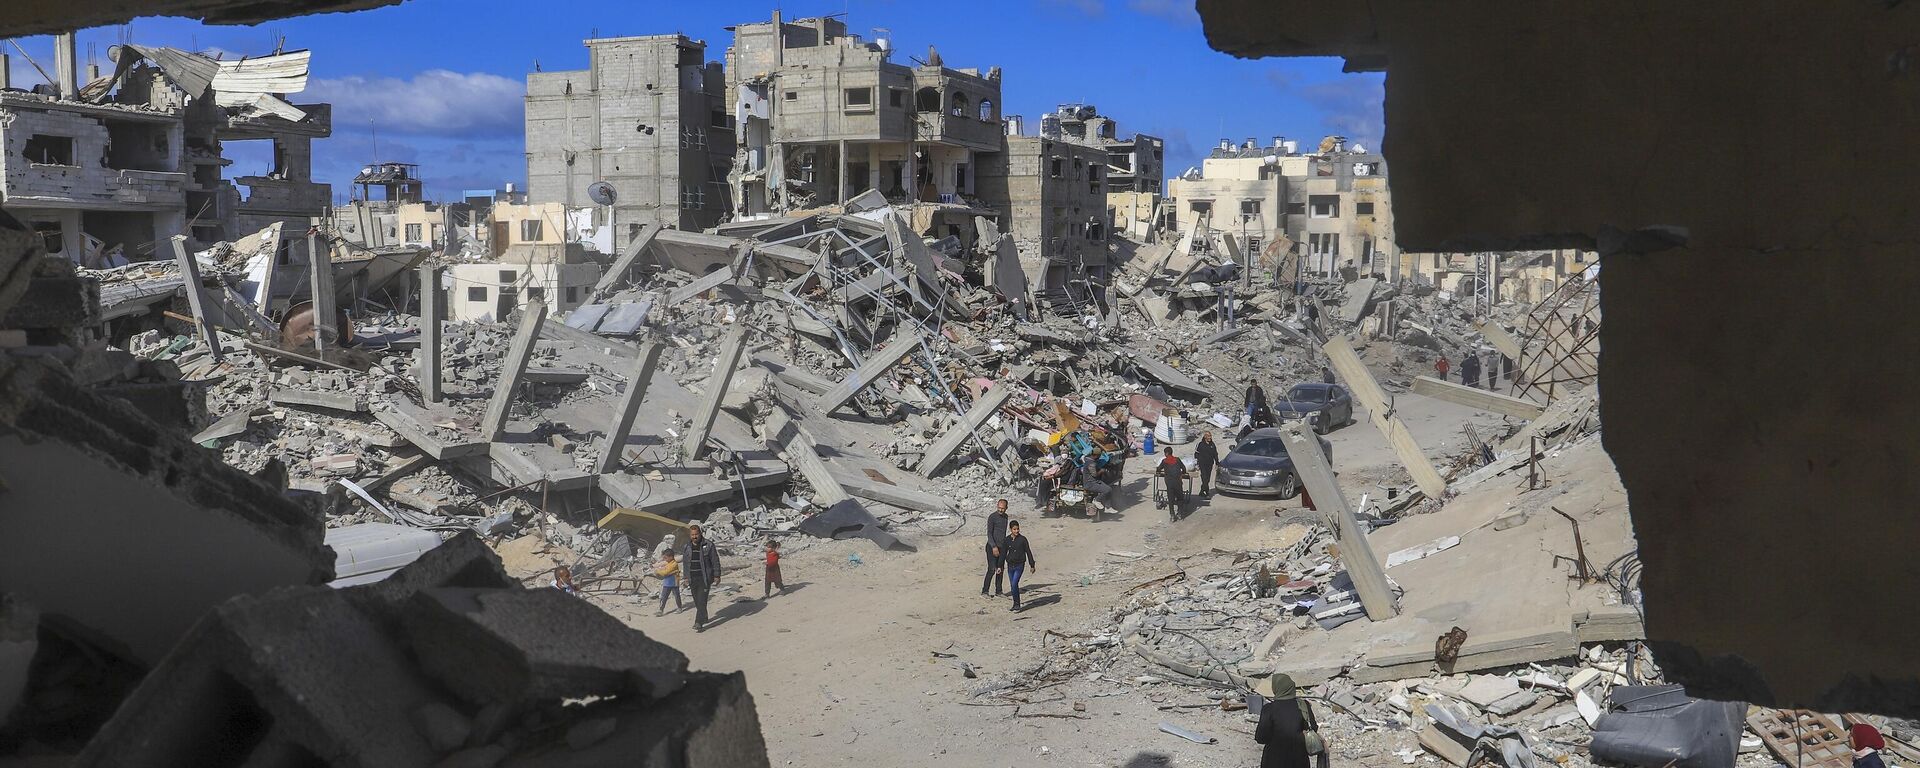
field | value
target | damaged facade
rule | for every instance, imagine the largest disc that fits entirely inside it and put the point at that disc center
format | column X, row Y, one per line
column 105, row 171
column 649, row 118
column 1325, row 211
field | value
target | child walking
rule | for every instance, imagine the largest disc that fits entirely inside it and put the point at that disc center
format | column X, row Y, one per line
column 773, row 570
column 668, row 569
column 1019, row 560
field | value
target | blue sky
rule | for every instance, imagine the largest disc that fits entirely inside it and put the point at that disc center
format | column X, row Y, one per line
column 440, row 82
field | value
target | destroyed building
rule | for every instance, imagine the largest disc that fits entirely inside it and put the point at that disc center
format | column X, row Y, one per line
column 1136, row 166
column 1331, row 205
column 648, row 118
column 1053, row 196
column 106, row 170
column 823, row 115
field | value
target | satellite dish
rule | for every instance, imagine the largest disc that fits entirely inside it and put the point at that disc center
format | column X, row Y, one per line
column 601, row 193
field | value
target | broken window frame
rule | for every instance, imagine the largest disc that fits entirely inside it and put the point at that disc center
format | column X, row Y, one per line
column 1323, row 206
column 52, row 148
column 531, row 230
column 414, row 232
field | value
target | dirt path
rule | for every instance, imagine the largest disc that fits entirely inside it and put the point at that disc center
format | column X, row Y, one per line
column 842, row 666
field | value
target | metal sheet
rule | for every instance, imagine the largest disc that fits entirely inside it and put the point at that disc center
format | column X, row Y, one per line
column 238, row 82
column 587, row 317
column 625, row 319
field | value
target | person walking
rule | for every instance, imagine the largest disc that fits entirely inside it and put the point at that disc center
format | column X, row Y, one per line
column 1470, row 369
column 1441, row 366
column 1207, row 454
column 1285, row 722
column 701, row 560
column 1019, row 557
column 996, row 541
column 668, row 569
column 773, row 570
column 1173, row 477
column 1255, row 398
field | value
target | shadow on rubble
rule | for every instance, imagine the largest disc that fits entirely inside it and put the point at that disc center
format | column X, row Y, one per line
column 740, row 608
column 790, row 589
column 1149, row 760
column 1040, row 602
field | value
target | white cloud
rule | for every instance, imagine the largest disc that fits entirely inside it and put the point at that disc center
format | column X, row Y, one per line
column 1352, row 105
column 436, row 102
column 1181, row 11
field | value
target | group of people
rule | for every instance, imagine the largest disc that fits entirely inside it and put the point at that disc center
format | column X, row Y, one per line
column 1009, row 555
column 1471, row 368
column 697, row 562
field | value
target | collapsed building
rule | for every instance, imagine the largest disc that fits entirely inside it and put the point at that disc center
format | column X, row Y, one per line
column 107, row 169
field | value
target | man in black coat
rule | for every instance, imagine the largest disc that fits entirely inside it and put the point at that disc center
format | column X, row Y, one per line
column 996, row 543
column 1206, row 454
column 700, row 561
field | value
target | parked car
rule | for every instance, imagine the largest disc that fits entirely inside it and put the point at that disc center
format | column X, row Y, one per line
column 1259, row 466
column 1326, row 406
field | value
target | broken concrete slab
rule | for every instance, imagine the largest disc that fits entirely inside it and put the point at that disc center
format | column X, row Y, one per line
column 1367, row 392
column 229, row 425
column 344, row 402
column 499, row 645
column 1474, row 397
column 787, row 435
column 654, row 496
column 1359, row 297
column 416, row 425
column 617, row 271
column 694, row 443
column 638, row 379
column 848, row 519
column 512, row 367
column 1369, row 578
column 870, row 370
column 865, row 485
column 1169, row 376
column 962, row 433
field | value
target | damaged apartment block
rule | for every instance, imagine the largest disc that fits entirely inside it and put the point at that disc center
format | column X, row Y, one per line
column 105, row 170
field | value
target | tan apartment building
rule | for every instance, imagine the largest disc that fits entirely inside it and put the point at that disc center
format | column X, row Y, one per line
column 824, row 115
column 1333, row 205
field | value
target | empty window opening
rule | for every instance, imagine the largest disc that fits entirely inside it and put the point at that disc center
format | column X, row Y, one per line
column 1324, row 206
column 413, row 233
column 477, row 295
column 536, row 293
column 1363, row 209
column 507, row 276
column 1296, row 209
column 573, row 294
column 48, row 149
column 530, row 231
column 986, row 111
column 1250, row 208
column 859, row 99
column 793, row 96
column 926, row 100
column 52, row 236
column 961, row 104
column 896, row 97
column 138, row 146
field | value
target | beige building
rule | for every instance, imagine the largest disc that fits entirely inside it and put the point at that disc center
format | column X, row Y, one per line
column 492, row 290
column 824, row 115
column 1333, row 205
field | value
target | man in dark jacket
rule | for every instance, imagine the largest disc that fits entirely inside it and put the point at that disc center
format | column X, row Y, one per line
column 1019, row 557
column 1256, row 399
column 700, row 561
column 1470, row 369
column 996, row 543
column 1207, row 454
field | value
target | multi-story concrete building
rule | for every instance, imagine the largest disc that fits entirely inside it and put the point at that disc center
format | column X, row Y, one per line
column 111, row 171
column 648, row 116
column 824, row 115
column 1135, row 165
column 1332, row 205
column 1052, row 196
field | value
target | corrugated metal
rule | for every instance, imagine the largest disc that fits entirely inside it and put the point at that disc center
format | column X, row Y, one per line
column 238, row 81
column 192, row 72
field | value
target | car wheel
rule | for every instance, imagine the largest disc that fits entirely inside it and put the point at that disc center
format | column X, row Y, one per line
column 1289, row 486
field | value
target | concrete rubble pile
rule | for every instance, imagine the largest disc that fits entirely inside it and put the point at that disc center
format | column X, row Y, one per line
column 159, row 606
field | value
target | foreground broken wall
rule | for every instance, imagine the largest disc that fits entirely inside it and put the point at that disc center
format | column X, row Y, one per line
column 33, row 17
column 1759, row 415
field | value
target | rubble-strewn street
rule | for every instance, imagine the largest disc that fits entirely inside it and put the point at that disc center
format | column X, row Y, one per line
column 575, row 473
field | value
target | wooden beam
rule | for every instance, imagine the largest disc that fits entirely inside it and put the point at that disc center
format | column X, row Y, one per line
column 512, row 367
column 1369, row 579
column 695, row 441
column 1473, row 397
column 1360, row 382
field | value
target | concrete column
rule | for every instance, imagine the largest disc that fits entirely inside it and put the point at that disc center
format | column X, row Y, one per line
column 320, row 285
column 512, row 368
column 6, row 79
column 66, row 65
column 196, row 295
column 1369, row 579
column 695, row 440
column 637, row 382
column 870, row 371
column 1368, row 392
column 432, row 311
column 842, row 177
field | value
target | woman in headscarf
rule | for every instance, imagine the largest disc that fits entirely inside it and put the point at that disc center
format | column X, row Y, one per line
column 1867, row 744
column 1284, row 723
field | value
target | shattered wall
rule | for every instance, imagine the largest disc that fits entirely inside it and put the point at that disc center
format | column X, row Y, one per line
column 33, row 17
column 1772, row 508
column 1052, row 194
